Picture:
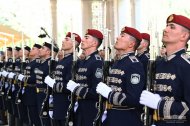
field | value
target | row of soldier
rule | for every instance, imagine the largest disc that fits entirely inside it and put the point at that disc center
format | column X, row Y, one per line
column 123, row 92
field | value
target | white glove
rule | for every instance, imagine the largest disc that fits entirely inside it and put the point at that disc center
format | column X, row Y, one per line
column 11, row 75
column 104, row 116
column 76, row 106
column 149, row 99
column 0, row 73
column 71, row 85
column 51, row 114
column 103, row 89
column 5, row 73
column 49, row 81
column 20, row 77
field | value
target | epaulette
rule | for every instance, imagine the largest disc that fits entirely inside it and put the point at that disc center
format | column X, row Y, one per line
column 147, row 55
column 186, row 57
column 133, row 59
column 98, row 57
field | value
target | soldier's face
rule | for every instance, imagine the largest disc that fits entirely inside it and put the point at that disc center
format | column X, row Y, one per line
column 16, row 53
column 67, row 44
column 122, row 41
column 44, row 51
column 20, row 53
column 9, row 53
column 34, row 51
column 87, row 42
column 172, row 33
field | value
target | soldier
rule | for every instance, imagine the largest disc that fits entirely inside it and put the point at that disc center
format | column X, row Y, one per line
column 8, row 67
column 14, row 87
column 3, row 117
column 171, row 98
column 41, row 72
column 88, row 75
column 61, row 94
column 29, row 78
column 143, row 54
column 22, row 109
column 125, row 82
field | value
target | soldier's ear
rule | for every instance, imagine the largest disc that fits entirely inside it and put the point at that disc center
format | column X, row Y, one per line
column 185, row 36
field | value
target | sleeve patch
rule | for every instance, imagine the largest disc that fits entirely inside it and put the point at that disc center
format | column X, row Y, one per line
column 135, row 78
column 99, row 73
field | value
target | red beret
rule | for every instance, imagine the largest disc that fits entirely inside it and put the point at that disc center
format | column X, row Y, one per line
column 179, row 19
column 95, row 33
column 77, row 37
column 133, row 32
column 145, row 36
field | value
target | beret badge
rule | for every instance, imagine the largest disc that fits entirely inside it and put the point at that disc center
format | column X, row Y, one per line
column 123, row 29
column 171, row 17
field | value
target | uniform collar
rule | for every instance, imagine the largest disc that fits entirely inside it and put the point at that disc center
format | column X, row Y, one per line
column 87, row 57
column 126, row 54
column 46, row 59
column 66, row 55
column 179, row 52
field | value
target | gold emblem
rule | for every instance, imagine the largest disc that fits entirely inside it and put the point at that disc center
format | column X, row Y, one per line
column 170, row 18
column 123, row 29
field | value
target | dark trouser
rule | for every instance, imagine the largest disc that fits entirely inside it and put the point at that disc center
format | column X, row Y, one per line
column 58, row 122
column 45, row 121
column 86, row 113
column 34, row 115
column 11, row 120
column 116, row 117
column 3, row 115
column 23, row 113
column 18, row 122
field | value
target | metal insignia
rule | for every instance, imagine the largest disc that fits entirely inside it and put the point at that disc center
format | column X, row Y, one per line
column 171, row 17
column 99, row 73
column 135, row 78
column 123, row 29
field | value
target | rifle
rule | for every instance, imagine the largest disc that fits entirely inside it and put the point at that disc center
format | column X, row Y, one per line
column 146, row 117
column 18, row 99
column 70, row 111
column 45, row 104
column 97, row 121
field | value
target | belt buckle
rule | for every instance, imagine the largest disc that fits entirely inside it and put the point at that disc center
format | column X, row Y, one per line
column 109, row 106
column 37, row 90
